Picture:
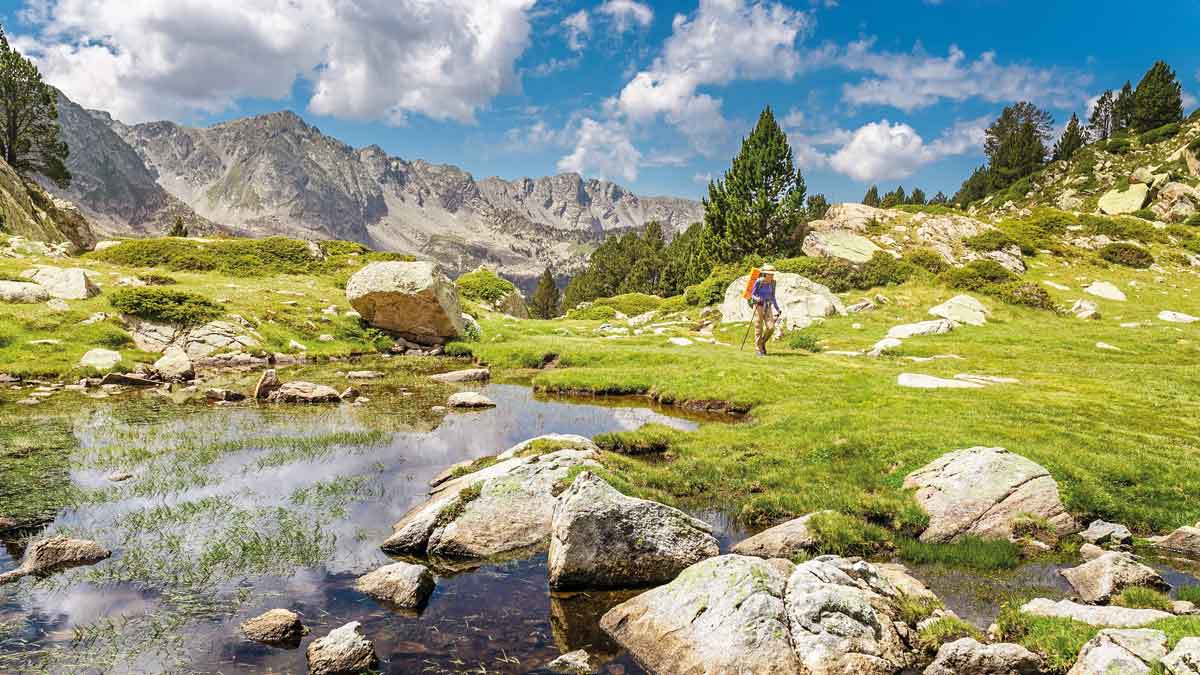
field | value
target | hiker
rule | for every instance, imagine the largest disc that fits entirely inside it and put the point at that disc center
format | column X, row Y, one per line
column 762, row 299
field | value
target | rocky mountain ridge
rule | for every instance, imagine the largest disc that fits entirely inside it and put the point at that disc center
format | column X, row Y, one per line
column 275, row 174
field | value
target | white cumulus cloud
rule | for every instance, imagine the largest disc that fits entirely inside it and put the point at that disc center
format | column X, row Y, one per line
column 886, row 151
column 364, row 59
column 625, row 14
column 603, row 149
column 578, row 27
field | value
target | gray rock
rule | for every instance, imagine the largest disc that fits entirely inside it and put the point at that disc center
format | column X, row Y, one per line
column 967, row 655
column 457, row 376
column 401, row 584
column 469, row 399
column 304, row 392
column 1117, row 202
column 721, row 615
column 344, row 651
column 786, row 540
column 56, row 553
column 908, row 330
column 198, row 342
column 175, row 366
column 412, row 299
column 1094, row 615
column 364, row 375
column 267, row 384
column 1177, row 317
column 275, row 627
column 884, row 346
column 224, row 395
column 1100, row 532
column 981, row 491
column 602, row 539
column 1090, row 552
column 67, row 284
column 21, row 292
column 1085, row 309
column 1098, row 580
column 1123, row 651
column 1103, row 289
column 921, row 381
column 572, row 663
column 1185, row 540
column 803, row 302
column 1185, row 658
column 840, row 244
column 100, row 359
column 962, row 309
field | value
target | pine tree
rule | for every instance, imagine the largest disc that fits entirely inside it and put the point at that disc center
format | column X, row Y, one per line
column 939, row 199
column 815, row 207
column 178, row 228
column 544, row 304
column 1158, row 99
column 917, row 197
column 1122, row 117
column 29, row 119
column 1071, row 140
column 894, row 198
column 974, row 188
column 1100, row 124
column 757, row 207
column 1015, row 143
column 872, row 197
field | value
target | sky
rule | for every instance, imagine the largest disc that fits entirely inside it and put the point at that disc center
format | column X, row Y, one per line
column 653, row 95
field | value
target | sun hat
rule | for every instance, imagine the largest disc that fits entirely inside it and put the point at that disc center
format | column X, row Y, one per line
column 767, row 269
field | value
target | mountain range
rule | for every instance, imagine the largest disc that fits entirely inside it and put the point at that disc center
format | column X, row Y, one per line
column 275, row 174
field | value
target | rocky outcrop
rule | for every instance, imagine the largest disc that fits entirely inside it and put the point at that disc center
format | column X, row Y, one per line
column 981, row 491
column 786, row 540
column 600, row 538
column 71, row 283
column 967, row 655
column 304, row 392
column 840, row 244
column 344, row 651
column 803, row 302
column 505, row 507
column 275, row 627
column 1098, row 580
column 414, row 300
column 46, row 556
column 852, row 217
column 1094, row 615
column 28, row 211
column 20, row 292
column 962, row 309
column 214, row 337
column 400, row 584
column 1123, row 651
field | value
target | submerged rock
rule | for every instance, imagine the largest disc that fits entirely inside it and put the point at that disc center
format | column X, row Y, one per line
column 275, row 627
column 1123, row 651
column 412, row 299
column 601, row 538
column 56, row 553
column 1185, row 540
column 981, row 491
column 304, row 392
column 1098, row 580
column 967, row 655
column 1094, row 615
column 786, row 540
column 401, row 584
column 344, row 651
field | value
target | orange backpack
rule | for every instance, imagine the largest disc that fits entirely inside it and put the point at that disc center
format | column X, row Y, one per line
column 754, row 274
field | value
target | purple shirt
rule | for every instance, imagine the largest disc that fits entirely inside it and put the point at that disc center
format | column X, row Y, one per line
column 765, row 293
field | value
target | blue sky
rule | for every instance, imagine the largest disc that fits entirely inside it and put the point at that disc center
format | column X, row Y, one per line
column 653, row 95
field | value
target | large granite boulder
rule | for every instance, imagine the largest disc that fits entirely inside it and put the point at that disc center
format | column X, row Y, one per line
column 962, row 309
column 401, row 584
column 981, row 491
column 852, row 217
column 101, row 359
column 840, row 244
column 1185, row 658
column 56, row 553
column 412, row 299
column 967, row 655
column 786, row 540
column 802, row 301
column 304, row 392
column 1094, row 615
column 175, row 366
column 944, row 233
column 275, row 627
column 22, row 292
column 721, row 615
column 71, row 283
column 344, row 651
column 1121, row 652
column 1117, row 202
column 460, row 376
column 602, row 539
column 505, row 507
column 1098, row 580
column 1185, row 540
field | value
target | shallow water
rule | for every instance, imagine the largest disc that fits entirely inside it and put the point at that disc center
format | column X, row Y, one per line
column 202, row 542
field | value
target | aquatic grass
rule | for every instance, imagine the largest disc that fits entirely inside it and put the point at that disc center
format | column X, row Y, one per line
column 1188, row 593
column 946, row 629
column 914, row 609
column 968, row 552
column 331, row 497
column 844, row 535
column 35, row 466
column 646, row 440
column 1142, row 598
column 1058, row 641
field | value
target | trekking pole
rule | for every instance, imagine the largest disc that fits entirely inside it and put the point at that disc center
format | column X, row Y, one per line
column 748, row 327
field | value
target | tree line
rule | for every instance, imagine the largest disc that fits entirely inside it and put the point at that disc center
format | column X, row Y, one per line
column 898, row 197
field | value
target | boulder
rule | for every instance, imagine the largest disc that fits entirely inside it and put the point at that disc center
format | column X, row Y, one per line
column 401, row 584
column 900, row 577
column 505, row 507
column 1176, row 201
column 1177, row 317
column 1100, row 532
column 364, row 375
column 1185, row 540
column 1094, row 615
column 1117, row 202
column 1008, row 257
column 944, row 233
column 786, row 540
column 224, row 395
column 962, row 309
column 344, row 651
column 851, row 217
column 1090, row 552
column 412, row 299
column 884, row 346
column 275, row 627
column 68, row 284
column 469, row 399
column 1098, row 580
column 572, row 663
column 1085, row 309
column 1185, row 658
column 1124, row 651
column 981, row 491
column 840, row 244
column 967, row 655
column 1103, row 289
column 56, row 553
column 803, row 302
column 100, row 359
column 458, row 376
column 920, row 381
column 198, row 341
column 175, row 366
column 267, row 384
column 304, row 392
column 600, row 538
column 21, row 292
column 933, row 327
column 721, row 615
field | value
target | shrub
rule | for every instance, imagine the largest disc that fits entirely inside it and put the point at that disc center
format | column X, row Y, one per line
column 1139, row 597
column 164, row 304
column 913, row 609
column 803, row 342
column 843, row 535
column 483, row 285
column 1118, row 228
column 882, row 270
column 1145, row 214
column 932, row 209
column 1118, row 146
column 927, row 259
column 152, row 279
column 334, row 247
column 711, row 291
column 1160, row 134
column 1057, row 640
column 1193, row 220
column 1194, row 146
column 111, row 337
column 1025, row 293
column 171, row 253
column 647, row 440
column 989, row 240
column 675, row 303
column 632, row 304
column 841, row 275
column 592, row 313
column 977, row 275
column 9, row 276
column 236, row 257
column 1128, row 255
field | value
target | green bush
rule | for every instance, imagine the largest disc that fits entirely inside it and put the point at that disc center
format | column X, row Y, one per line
column 803, row 342
column 332, row 247
column 1194, row 146
column 631, row 304
column 932, row 209
column 152, row 279
column 1024, row 293
column 1139, row 597
column 484, row 285
column 989, row 240
column 976, row 275
column 235, row 257
column 1118, row 146
column 883, row 270
column 1128, row 255
column 592, row 313
column 111, row 337
column 165, row 304
column 841, row 275
column 1118, row 228
column 1145, row 214
column 1193, row 220
column 9, row 276
column 675, row 303
column 711, row 291
column 946, row 629
column 927, row 259
column 1160, row 134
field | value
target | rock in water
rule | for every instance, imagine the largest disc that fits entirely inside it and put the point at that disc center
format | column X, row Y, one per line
column 21, row 292
column 1185, row 540
column 470, row 399
column 100, row 359
column 457, row 376
column 962, row 309
column 786, row 540
column 1094, row 615
column 56, row 553
column 602, row 539
column 1117, row 202
column 1100, row 532
column 68, row 284
column 304, row 392
column 572, row 663
column 345, row 651
column 721, row 615
column 413, row 299
column 401, row 584
column 1098, row 580
column 175, row 366
column 1185, row 658
column 275, row 627
column 840, row 244
column 801, row 300
column 1121, row 652
column 967, row 655
column 981, row 491
column 268, row 383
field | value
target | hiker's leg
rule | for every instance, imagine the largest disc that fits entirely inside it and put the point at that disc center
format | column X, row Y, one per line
column 760, row 333
column 769, row 331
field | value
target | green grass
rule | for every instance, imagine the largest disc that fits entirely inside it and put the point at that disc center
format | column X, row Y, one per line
column 968, row 552
column 1189, row 593
column 1143, row 598
column 943, row 630
column 483, row 285
column 646, row 440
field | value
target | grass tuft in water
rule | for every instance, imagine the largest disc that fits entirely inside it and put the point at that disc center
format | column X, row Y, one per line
column 968, row 552
column 943, row 630
column 1139, row 597
column 649, row 439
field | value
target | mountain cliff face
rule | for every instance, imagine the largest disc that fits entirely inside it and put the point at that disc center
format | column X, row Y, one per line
column 275, row 174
